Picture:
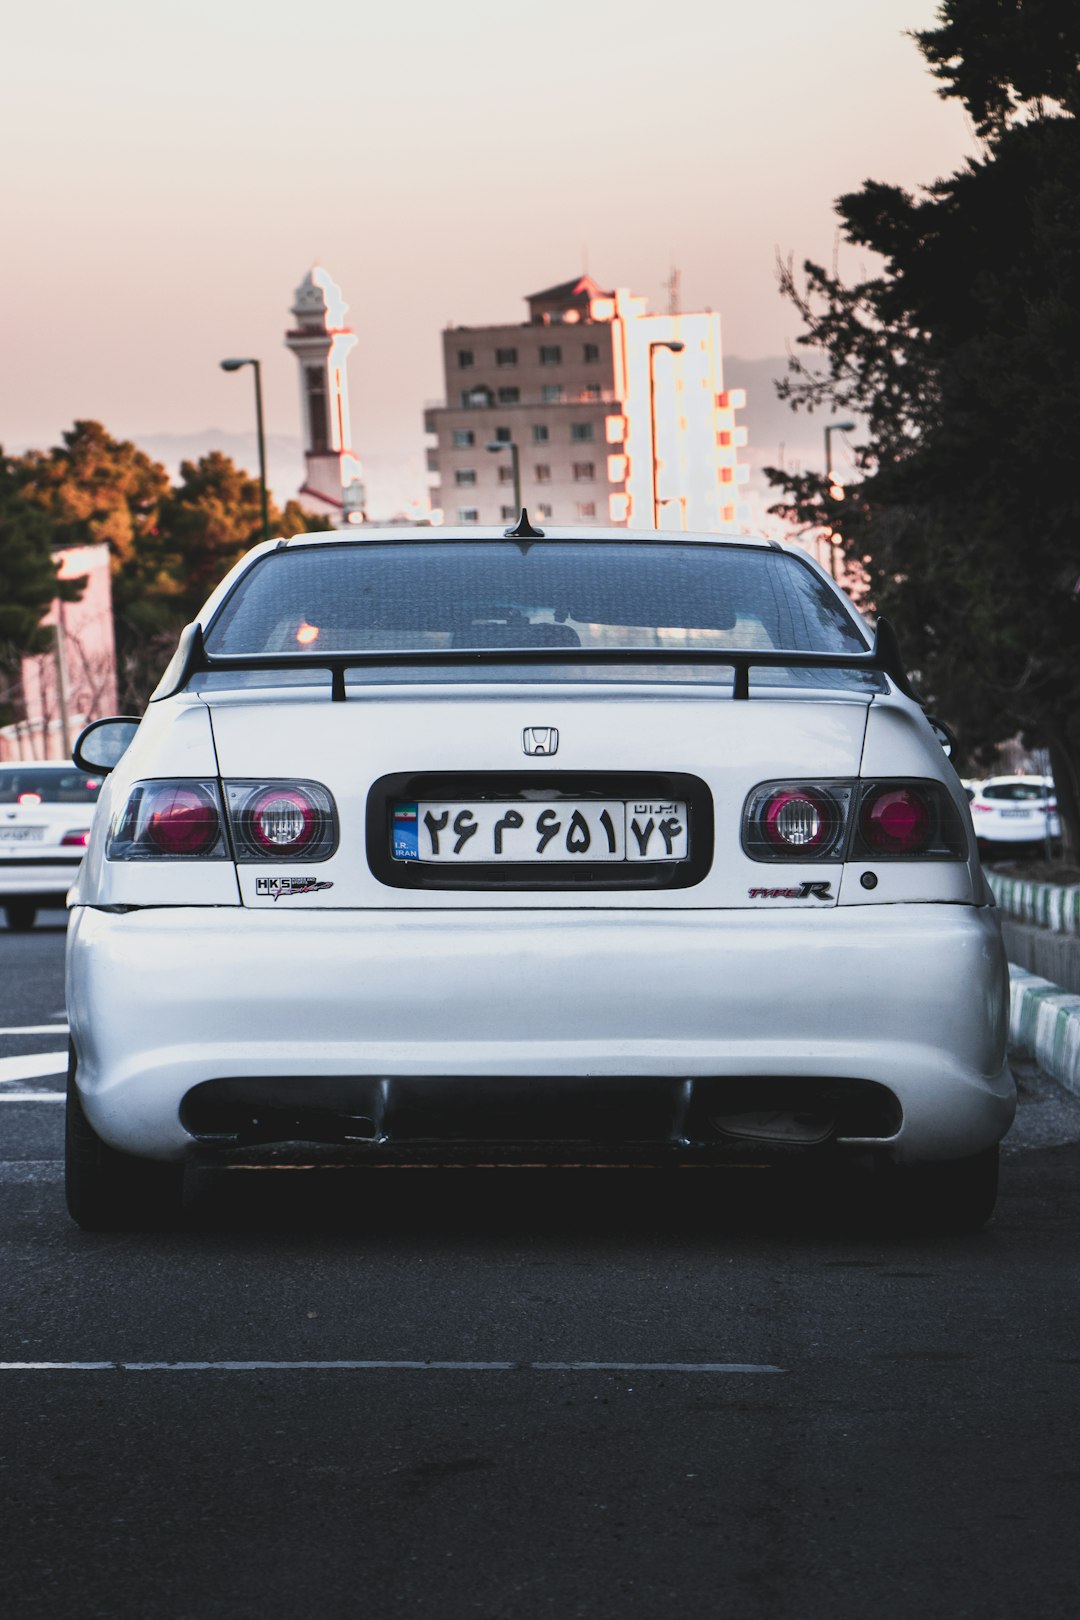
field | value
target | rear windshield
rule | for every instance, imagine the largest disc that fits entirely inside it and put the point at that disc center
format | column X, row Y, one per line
column 34, row 784
column 647, row 597
column 1016, row 792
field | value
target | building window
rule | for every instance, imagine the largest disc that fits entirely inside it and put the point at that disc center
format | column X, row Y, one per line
column 506, row 357
column 477, row 398
column 550, row 354
column 539, row 434
column 463, row 438
column 506, row 474
column 465, row 475
column 581, row 432
column 542, row 474
column 591, row 391
column 586, row 508
column 544, row 511
column 508, row 511
column 464, row 359
column 584, row 472
column 503, row 435
column 592, row 351
column 468, row 514
column 318, row 420
column 509, row 396
column 552, row 393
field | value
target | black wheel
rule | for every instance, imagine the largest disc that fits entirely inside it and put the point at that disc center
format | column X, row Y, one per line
column 110, row 1191
column 20, row 915
column 955, row 1195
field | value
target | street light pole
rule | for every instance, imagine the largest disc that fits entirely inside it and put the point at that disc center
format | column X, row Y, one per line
column 676, row 347
column 235, row 365
column 830, row 429
column 515, row 466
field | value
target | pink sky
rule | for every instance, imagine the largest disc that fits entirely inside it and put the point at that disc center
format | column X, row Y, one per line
column 171, row 171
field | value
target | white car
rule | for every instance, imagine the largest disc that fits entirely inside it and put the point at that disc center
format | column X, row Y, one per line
column 45, row 812
column 1015, row 810
column 599, row 848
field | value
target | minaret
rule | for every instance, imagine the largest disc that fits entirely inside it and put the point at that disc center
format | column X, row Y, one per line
column 320, row 341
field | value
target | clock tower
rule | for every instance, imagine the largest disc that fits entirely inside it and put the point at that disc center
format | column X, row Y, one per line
column 321, row 341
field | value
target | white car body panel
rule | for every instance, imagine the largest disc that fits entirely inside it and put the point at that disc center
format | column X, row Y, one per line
column 180, row 972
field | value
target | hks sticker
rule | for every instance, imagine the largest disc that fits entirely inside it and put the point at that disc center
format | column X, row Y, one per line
column 285, row 886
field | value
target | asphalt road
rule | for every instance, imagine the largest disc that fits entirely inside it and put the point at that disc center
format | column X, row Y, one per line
column 808, row 1420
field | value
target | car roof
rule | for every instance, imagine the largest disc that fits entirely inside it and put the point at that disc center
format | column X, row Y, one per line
column 475, row 531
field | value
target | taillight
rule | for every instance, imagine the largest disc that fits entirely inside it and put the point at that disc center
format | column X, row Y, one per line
column 837, row 821
column 281, row 821
column 76, row 838
column 796, row 821
column 173, row 819
column 895, row 821
column 907, row 821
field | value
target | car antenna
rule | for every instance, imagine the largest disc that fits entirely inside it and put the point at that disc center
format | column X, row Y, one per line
column 523, row 529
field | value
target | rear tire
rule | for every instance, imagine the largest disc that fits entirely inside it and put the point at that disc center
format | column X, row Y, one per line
column 20, row 915
column 954, row 1196
column 112, row 1191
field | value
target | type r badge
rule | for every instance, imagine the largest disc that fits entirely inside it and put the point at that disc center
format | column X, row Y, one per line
column 805, row 891
column 540, row 740
column 279, row 888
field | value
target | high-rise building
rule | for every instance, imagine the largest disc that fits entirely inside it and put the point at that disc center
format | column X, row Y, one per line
column 321, row 342
column 618, row 417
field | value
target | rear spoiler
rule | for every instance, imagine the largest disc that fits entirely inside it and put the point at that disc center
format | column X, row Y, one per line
column 191, row 658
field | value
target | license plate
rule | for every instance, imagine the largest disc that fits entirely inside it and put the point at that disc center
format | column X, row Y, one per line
column 537, row 831
column 1021, row 814
column 21, row 835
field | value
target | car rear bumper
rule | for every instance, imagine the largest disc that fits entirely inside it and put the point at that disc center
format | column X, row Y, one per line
column 911, row 997
column 48, row 880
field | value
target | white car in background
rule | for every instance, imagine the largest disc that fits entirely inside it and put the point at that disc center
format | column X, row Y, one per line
column 1015, row 810
column 45, row 814
column 601, row 847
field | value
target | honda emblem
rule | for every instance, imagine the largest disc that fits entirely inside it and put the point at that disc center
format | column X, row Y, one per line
column 539, row 740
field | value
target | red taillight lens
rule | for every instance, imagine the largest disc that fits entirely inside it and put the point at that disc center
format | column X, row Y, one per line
column 183, row 821
column 896, row 821
column 75, row 838
column 796, row 821
column 283, row 821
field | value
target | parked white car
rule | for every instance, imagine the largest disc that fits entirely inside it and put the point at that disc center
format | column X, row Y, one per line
column 1015, row 810
column 45, row 813
column 602, row 847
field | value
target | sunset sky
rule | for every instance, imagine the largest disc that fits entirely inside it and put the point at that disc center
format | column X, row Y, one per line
column 171, row 170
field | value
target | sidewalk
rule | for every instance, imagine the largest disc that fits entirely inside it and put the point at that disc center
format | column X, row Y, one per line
column 1041, row 926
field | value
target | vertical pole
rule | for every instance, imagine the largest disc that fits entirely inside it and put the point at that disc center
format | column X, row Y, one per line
column 262, row 449
column 60, row 649
column 652, row 433
column 515, row 464
column 828, row 485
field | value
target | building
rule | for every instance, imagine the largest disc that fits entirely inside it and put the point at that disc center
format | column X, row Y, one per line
column 609, row 415
column 58, row 692
column 321, row 343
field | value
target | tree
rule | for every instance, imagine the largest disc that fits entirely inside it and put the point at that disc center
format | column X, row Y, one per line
column 960, row 356
column 29, row 582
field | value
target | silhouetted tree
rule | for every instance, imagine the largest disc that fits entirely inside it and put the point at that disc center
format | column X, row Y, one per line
column 29, row 582
column 960, row 355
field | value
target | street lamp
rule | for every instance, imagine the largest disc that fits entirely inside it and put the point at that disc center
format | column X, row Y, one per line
column 515, row 464
column 835, row 490
column 676, row 347
column 235, row 365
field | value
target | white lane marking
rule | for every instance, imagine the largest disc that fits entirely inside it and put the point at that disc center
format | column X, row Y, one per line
column 35, row 1029
column 33, row 1066
column 32, row 1096
column 390, row 1366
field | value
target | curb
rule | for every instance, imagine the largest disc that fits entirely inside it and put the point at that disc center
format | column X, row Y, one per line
column 1045, row 1021
column 1048, row 904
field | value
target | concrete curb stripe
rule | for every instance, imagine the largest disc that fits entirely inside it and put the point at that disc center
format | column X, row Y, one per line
column 1045, row 1021
column 1051, row 905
